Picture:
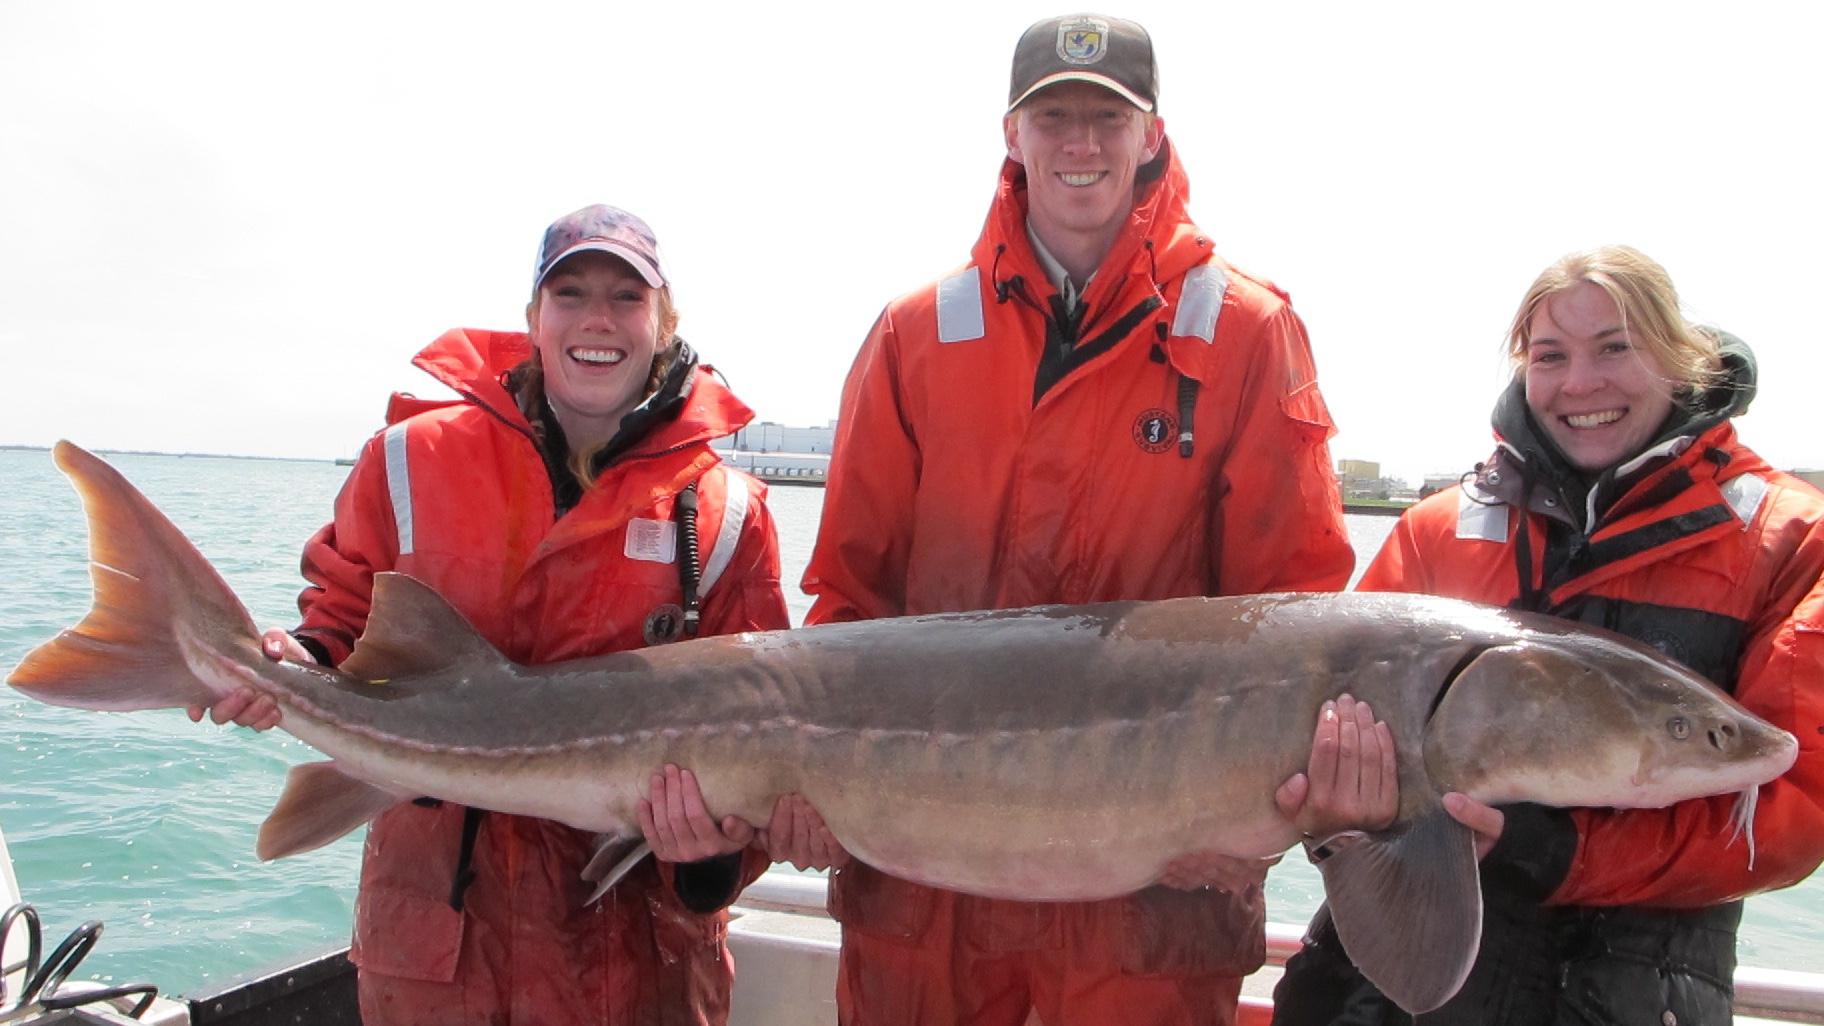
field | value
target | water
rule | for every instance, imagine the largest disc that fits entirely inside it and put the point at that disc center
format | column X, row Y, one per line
column 146, row 821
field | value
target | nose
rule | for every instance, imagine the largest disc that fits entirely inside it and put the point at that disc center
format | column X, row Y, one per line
column 1582, row 377
column 597, row 316
column 1080, row 137
column 1722, row 736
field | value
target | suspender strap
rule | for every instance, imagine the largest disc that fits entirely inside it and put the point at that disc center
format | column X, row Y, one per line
column 465, row 856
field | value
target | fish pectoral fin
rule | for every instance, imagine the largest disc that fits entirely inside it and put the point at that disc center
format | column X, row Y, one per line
column 319, row 804
column 412, row 631
column 614, row 856
column 1408, row 908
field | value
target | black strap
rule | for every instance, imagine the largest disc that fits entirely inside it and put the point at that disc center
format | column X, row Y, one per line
column 1187, row 406
column 465, row 856
column 690, row 569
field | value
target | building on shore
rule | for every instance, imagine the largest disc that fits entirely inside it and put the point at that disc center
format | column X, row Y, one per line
column 778, row 454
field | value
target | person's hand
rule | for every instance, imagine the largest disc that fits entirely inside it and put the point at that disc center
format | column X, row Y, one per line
column 1352, row 782
column 797, row 834
column 244, row 705
column 279, row 646
column 678, row 826
column 1209, row 870
column 1485, row 821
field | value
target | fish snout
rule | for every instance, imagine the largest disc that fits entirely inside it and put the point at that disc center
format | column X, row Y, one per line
column 1748, row 742
column 1781, row 749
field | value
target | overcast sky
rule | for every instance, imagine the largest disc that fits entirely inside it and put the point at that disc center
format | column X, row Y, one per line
column 227, row 227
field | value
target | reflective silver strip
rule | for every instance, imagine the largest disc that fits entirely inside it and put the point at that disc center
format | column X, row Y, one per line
column 399, row 485
column 1200, row 302
column 1744, row 495
column 734, row 514
column 959, row 307
column 1484, row 520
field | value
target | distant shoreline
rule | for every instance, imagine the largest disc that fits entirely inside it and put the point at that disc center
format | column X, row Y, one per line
column 182, row 455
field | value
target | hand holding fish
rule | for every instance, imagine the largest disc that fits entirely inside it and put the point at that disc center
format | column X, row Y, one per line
column 678, row 826
column 1352, row 781
column 1485, row 821
column 247, row 707
column 797, row 834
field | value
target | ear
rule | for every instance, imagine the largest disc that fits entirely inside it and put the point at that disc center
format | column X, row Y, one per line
column 1154, row 139
column 1010, row 127
column 532, row 315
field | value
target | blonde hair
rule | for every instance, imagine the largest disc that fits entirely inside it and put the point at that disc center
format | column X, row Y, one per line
column 1643, row 292
column 531, row 385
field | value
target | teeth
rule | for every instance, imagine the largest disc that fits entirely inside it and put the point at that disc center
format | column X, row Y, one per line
column 1590, row 420
column 1080, row 178
column 604, row 356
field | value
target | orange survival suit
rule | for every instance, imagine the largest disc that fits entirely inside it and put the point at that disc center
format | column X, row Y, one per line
column 996, row 449
column 493, row 928
column 1700, row 549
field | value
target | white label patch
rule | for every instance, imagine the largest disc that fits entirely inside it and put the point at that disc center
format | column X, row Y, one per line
column 655, row 541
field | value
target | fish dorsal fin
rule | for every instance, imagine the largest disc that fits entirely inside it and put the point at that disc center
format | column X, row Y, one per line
column 1408, row 908
column 412, row 631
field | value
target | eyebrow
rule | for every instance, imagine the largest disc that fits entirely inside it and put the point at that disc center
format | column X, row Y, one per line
column 1552, row 340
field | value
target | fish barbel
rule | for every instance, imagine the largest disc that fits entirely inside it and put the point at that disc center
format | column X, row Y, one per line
column 1051, row 753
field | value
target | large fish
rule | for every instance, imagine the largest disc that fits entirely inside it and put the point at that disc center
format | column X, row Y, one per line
column 1050, row 753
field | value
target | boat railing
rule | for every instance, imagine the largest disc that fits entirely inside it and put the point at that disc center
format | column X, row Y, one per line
column 1777, row 995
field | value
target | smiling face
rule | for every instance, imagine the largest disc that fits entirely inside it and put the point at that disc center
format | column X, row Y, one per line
column 596, row 325
column 1081, row 146
column 1597, row 393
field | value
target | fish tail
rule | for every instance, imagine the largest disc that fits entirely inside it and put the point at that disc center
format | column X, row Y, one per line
column 160, row 610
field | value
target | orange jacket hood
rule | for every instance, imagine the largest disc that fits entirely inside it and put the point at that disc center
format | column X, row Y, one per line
column 1158, row 219
column 474, row 362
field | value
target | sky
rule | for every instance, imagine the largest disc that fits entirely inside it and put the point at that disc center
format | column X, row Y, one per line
column 227, row 227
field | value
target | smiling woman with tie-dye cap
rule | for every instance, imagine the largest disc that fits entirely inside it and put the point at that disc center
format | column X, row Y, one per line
column 558, row 505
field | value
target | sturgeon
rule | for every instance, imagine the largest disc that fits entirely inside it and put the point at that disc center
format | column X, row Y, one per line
column 1052, row 753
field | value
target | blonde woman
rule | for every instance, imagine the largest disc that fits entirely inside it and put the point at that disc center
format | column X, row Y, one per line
column 1618, row 495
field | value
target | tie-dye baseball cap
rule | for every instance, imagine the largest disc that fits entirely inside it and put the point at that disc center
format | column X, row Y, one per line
column 605, row 229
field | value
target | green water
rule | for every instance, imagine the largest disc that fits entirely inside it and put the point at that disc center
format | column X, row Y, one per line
column 146, row 821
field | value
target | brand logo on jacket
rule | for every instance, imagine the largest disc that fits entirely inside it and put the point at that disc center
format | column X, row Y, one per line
column 1080, row 41
column 1668, row 643
column 1155, row 430
column 663, row 624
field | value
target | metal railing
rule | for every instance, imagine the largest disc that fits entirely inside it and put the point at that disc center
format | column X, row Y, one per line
column 1777, row 994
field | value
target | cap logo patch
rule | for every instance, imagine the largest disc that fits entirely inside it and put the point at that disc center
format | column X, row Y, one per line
column 1082, row 41
column 1155, row 430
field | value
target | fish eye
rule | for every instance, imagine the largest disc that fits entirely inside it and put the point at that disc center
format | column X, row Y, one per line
column 1679, row 727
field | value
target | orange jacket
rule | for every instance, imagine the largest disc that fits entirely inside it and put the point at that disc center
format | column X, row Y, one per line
column 1181, row 450
column 458, row 496
column 950, row 488
column 1713, row 557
